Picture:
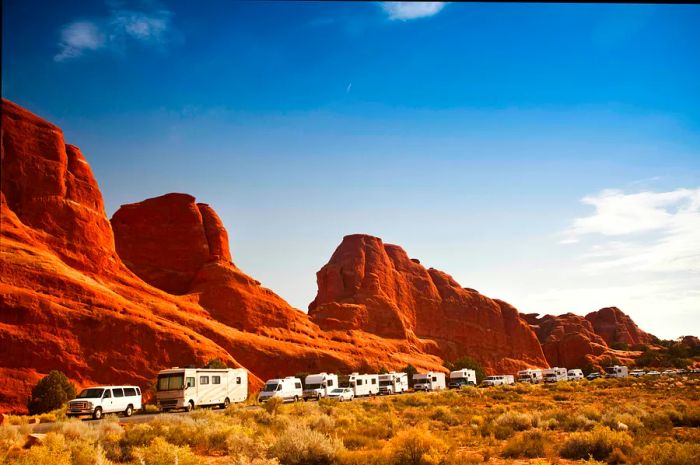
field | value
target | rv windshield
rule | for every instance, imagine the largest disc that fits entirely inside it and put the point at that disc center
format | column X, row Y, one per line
column 610, row 370
column 93, row 393
column 271, row 387
column 171, row 382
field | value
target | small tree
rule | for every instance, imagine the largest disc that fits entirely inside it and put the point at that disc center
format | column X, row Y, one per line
column 216, row 363
column 469, row 364
column 410, row 370
column 50, row 393
column 302, row 377
column 383, row 371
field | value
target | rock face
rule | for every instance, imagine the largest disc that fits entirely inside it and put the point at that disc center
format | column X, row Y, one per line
column 375, row 287
column 615, row 327
column 567, row 340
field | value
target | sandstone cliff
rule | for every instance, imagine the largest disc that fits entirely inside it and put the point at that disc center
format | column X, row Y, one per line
column 617, row 328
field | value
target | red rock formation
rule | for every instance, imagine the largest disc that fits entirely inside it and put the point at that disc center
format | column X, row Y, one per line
column 567, row 340
column 615, row 327
column 371, row 286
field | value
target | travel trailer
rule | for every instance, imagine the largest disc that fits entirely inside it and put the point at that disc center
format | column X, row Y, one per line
column 364, row 385
column 393, row 383
column 554, row 375
column 98, row 400
column 616, row 371
column 187, row 388
column 287, row 389
column 532, row 376
column 430, row 381
column 498, row 380
column 574, row 374
column 319, row 386
column 461, row 378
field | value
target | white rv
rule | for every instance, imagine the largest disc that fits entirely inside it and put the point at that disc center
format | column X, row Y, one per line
column 430, row 381
column 393, row 383
column 532, row 376
column 287, row 389
column 98, row 400
column 320, row 385
column 574, row 374
column 496, row 380
column 554, row 375
column 464, row 377
column 188, row 388
column 364, row 385
column 616, row 371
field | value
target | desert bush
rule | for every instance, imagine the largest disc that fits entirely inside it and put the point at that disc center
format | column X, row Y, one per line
column 670, row 453
column 444, row 415
column 50, row 393
column 597, row 444
column 621, row 421
column 300, row 445
column 516, row 421
column 52, row 451
column 160, row 452
column 272, row 405
column 216, row 363
column 416, row 446
column 529, row 444
column 657, row 421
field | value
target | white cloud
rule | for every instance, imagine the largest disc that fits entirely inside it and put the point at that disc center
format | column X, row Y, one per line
column 110, row 32
column 411, row 10
column 78, row 37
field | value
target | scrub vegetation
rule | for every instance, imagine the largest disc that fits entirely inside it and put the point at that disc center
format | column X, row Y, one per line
column 619, row 421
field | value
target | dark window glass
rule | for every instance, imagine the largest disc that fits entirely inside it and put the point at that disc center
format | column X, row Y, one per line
column 297, row 385
column 118, row 392
column 216, row 380
column 330, row 382
column 189, row 382
column 203, row 380
column 129, row 392
column 238, row 380
column 108, row 394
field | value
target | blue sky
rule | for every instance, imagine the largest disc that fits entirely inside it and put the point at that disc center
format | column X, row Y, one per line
column 548, row 155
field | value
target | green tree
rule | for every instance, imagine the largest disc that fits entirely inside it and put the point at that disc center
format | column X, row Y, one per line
column 216, row 363
column 466, row 363
column 383, row 370
column 410, row 370
column 302, row 376
column 50, row 393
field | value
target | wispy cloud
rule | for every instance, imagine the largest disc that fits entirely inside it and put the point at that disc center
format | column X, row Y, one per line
column 152, row 27
column 404, row 11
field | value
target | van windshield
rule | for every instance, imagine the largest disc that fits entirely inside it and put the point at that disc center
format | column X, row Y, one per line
column 171, row 382
column 93, row 393
column 271, row 387
column 313, row 386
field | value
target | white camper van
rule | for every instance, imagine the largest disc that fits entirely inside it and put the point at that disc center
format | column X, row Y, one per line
column 430, row 381
column 320, row 385
column 532, row 376
column 496, row 380
column 554, row 375
column 574, row 374
column 616, row 371
column 287, row 389
column 193, row 387
column 98, row 400
column 393, row 383
column 364, row 385
column 464, row 377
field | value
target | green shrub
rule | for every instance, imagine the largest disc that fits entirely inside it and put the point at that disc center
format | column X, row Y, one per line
column 300, row 445
column 216, row 363
column 469, row 364
column 529, row 444
column 50, row 393
column 597, row 444
column 159, row 452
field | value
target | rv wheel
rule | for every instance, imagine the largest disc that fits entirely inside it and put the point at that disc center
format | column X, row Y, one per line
column 190, row 406
column 129, row 410
column 97, row 414
column 226, row 403
column 296, row 398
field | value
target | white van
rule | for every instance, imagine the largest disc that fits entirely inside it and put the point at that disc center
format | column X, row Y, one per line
column 98, row 400
column 364, row 385
column 616, row 371
column 554, row 375
column 430, row 381
column 574, row 374
column 532, row 376
column 187, row 388
column 393, row 383
column 497, row 380
column 464, row 377
column 320, row 385
column 287, row 389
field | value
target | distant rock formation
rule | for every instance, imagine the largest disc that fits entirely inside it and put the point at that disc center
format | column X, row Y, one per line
column 615, row 327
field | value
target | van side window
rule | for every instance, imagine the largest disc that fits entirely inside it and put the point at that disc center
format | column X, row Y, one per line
column 107, row 394
column 129, row 392
column 203, row 380
column 330, row 382
column 189, row 381
column 216, row 380
column 297, row 385
column 118, row 392
column 238, row 380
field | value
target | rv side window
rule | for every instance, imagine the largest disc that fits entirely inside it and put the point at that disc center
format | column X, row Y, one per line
column 129, row 392
column 119, row 392
column 238, row 380
column 434, row 378
column 203, row 380
column 374, row 381
column 190, row 381
column 297, row 385
column 216, row 380
column 330, row 382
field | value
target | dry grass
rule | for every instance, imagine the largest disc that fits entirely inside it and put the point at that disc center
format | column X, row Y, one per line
column 641, row 422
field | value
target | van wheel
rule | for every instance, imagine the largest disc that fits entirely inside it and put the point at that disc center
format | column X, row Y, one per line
column 129, row 410
column 190, row 406
column 97, row 414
